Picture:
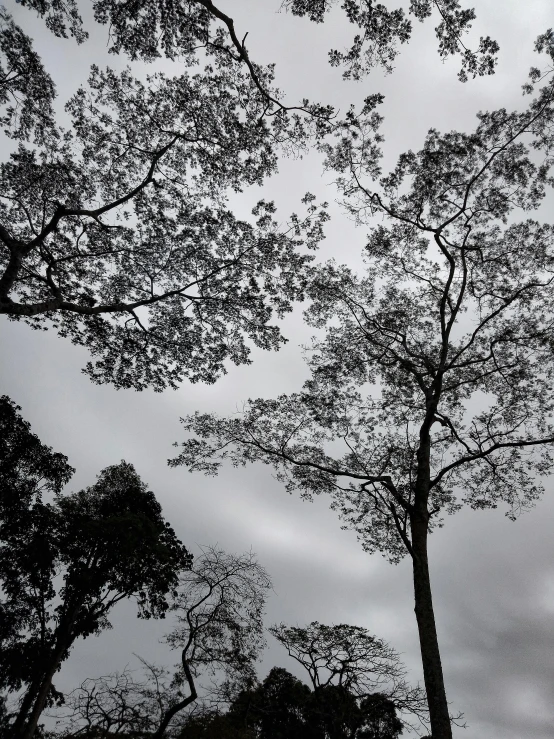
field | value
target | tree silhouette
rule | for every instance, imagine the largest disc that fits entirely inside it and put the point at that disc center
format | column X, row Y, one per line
column 65, row 564
column 282, row 707
column 117, row 232
column 435, row 373
column 218, row 608
column 346, row 664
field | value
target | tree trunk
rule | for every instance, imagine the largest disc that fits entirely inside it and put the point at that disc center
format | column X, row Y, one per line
column 25, row 707
column 42, row 695
column 168, row 715
column 430, row 655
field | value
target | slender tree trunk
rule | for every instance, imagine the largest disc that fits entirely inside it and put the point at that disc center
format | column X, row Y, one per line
column 168, row 715
column 441, row 727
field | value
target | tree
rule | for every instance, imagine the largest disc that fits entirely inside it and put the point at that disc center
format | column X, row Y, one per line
column 218, row 606
column 282, row 707
column 28, row 470
column 117, row 231
column 349, row 659
column 275, row 708
column 432, row 386
column 120, row 703
column 103, row 544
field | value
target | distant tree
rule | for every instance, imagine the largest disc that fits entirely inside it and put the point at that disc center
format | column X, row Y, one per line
column 379, row 718
column 274, row 709
column 355, row 663
column 121, row 704
column 282, row 707
column 432, row 386
column 65, row 564
column 26, row 89
column 218, row 606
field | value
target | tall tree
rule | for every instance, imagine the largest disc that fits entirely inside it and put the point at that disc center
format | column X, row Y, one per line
column 28, row 470
column 435, row 372
column 66, row 564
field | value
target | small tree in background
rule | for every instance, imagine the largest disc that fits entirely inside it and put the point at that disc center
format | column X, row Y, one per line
column 346, row 663
column 282, row 707
column 117, row 232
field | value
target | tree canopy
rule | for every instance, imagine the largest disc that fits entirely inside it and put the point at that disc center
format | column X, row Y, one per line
column 117, row 231
column 282, row 707
column 65, row 563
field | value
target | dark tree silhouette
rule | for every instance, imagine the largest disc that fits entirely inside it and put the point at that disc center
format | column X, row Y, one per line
column 122, row 703
column 282, row 707
column 218, row 606
column 274, row 708
column 355, row 665
column 65, row 564
column 28, row 469
column 436, row 371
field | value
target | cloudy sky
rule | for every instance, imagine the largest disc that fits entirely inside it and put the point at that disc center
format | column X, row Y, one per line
column 493, row 580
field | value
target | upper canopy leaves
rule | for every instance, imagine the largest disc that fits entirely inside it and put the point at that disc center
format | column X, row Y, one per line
column 435, row 374
column 381, row 30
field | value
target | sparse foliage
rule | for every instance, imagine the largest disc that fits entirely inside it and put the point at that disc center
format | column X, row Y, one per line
column 381, row 30
column 218, row 605
column 219, row 608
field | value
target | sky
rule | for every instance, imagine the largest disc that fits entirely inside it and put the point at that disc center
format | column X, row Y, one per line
column 492, row 579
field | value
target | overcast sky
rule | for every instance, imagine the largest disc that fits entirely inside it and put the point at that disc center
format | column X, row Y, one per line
column 493, row 580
